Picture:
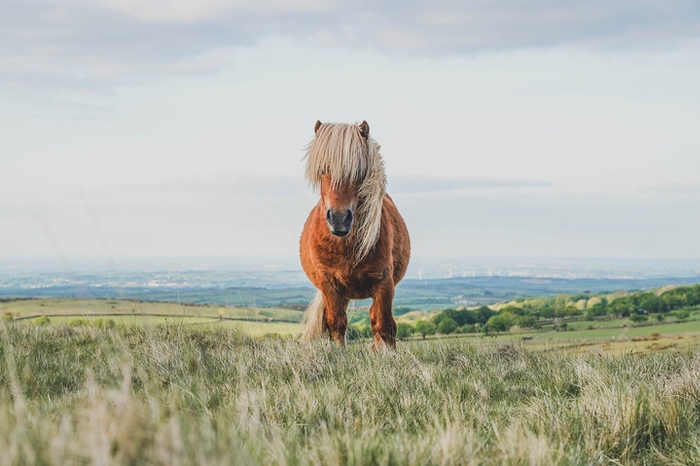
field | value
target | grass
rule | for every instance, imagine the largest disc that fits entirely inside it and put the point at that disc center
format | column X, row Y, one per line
column 175, row 394
column 157, row 311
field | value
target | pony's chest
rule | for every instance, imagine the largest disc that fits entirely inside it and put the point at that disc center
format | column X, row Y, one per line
column 336, row 268
column 355, row 283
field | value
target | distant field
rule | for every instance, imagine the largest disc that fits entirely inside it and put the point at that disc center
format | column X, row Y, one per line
column 152, row 312
column 612, row 336
column 280, row 289
column 73, row 312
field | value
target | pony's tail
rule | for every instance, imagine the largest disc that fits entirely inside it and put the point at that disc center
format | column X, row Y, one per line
column 312, row 321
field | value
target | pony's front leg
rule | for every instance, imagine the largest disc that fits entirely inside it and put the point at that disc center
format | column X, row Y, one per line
column 335, row 316
column 381, row 319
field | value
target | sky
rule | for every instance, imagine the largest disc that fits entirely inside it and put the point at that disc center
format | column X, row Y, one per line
column 508, row 128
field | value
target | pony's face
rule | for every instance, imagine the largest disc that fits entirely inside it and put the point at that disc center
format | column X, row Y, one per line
column 340, row 202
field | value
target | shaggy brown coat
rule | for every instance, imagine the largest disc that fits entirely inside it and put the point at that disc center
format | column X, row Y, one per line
column 371, row 260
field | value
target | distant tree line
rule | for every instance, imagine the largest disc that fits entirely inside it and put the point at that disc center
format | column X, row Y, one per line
column 530, row 313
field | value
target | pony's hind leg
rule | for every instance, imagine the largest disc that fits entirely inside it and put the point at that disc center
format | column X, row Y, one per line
column 381, row 319
column 335, row 317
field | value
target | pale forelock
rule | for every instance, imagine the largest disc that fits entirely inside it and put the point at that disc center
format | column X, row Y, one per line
column 339, row 150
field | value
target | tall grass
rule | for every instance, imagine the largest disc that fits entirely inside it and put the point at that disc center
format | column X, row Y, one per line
column 169, row 395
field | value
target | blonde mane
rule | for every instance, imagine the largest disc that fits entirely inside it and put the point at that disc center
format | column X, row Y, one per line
column 341, row 151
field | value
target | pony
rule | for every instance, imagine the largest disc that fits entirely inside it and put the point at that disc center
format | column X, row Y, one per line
column 355, row 244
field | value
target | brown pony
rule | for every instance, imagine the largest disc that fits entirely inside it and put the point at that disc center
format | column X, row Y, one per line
column 355, row 244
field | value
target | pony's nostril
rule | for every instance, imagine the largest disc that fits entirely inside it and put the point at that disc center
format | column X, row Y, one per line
column 348, row 217
column 329, row 215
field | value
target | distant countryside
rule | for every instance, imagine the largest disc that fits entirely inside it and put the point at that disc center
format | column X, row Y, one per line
column 206, row 367
column 621, row 320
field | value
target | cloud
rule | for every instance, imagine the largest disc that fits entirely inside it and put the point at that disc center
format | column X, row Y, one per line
column 435, row 184
column 672, row 188
column 95, row 45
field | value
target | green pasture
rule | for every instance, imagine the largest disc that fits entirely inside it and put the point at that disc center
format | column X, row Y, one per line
column 629, row 331
column 285, row 322
column 141, row 311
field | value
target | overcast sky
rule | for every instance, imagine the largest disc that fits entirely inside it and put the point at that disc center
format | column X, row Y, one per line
column 508, row 128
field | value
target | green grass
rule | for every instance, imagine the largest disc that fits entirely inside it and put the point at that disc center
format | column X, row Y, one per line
column 624, row 332
column 584, row 324
column 252, row 327
column 683, row 327
column 180, row 394
column 150, row 312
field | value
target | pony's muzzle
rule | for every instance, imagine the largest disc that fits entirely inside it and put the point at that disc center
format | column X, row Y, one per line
column 339, row 221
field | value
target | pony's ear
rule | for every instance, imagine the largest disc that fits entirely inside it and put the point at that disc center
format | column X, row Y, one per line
column 364, row 129
column 317, row 126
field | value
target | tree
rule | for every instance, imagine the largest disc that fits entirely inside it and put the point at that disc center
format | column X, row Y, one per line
column 483, row 314
column 403, row 330
column 447, row 326
column 525, row 321
column 444, row 314
column 513, row 310
column 425, row 327
column 638, row 318
column 466, row 329
column 596, row 310
column 501, row 322
column 548, row 311
column 681, row 297
column 621, row 307
column 581, row 296
column 401, row 310
column 651, row 303
column 464, row 317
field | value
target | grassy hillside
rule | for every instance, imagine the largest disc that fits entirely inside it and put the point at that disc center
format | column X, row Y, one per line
column 615, row 335
column 76, row 312
column 181, row 395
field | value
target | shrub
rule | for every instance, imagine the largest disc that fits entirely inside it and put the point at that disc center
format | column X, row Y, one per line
column 447, row 326
column 41, row 321
column 466, row 329
column 104, row 323
column 425, row 327
column 404, row 330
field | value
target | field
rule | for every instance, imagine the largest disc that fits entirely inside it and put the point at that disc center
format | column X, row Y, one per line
column 174, row 394
column 76, row 312
column 285, row 289
column 613, row 336
column 126, row 382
